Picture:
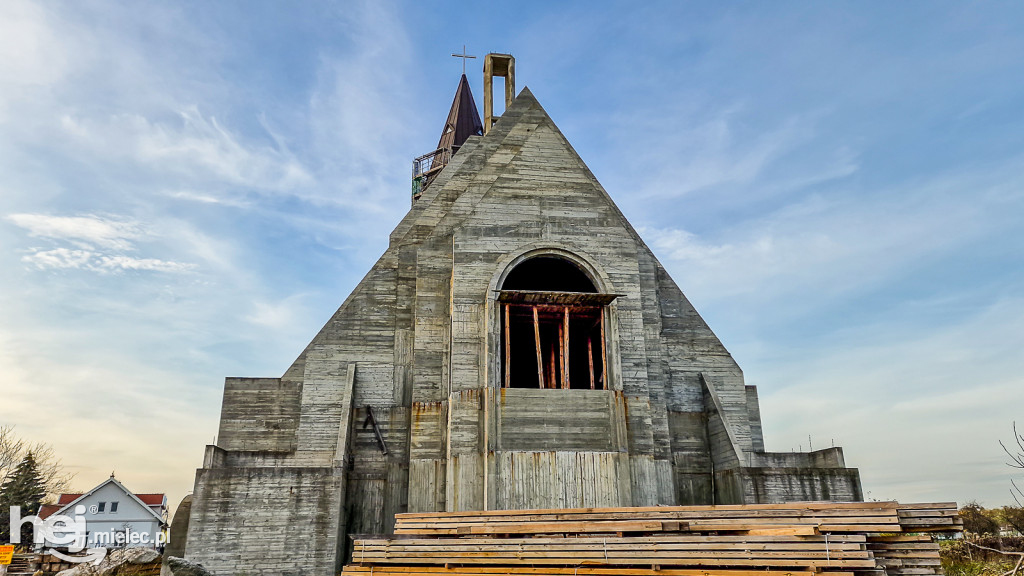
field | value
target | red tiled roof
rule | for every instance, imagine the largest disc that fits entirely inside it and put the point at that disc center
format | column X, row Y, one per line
column 147, row 499
column 46, row 510
column 151, row 499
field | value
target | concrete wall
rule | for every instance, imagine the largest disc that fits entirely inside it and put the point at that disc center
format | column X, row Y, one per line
column 556, row 420
column 178, row 540
column 772, row 485
column 259, row 414
column 266, row 521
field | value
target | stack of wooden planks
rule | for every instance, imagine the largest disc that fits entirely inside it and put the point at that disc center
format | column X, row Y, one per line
column 906, row 554
column 840, row 539
column 828, row 516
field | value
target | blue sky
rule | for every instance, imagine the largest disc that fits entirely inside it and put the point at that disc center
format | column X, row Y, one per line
column 189, row 190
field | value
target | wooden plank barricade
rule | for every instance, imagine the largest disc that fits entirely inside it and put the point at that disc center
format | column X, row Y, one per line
column 840, row 539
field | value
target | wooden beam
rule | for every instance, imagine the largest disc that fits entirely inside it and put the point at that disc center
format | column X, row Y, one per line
column 456, row 570
column 508, row 348
column 887, row 508
column 540, row 357
column 570, row 571
column 552, row 372
column 343, row 450
column 709, row 551
column 590, row 359
column 604, row 357
column 561, row 355
column 566, row 383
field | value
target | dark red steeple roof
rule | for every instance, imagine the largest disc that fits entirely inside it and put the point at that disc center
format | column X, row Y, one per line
column 463, row 119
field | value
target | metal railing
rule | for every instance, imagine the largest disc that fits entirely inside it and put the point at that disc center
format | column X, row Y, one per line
column 431, row 162
column 426, row 166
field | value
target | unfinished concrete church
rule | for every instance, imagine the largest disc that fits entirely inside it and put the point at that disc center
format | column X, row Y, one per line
column 517, row 346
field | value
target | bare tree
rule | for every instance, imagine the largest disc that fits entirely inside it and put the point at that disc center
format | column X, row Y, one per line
column 51, row 469
column 1016, row 461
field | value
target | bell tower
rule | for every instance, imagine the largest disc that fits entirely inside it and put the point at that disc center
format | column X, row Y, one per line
column 502, row 66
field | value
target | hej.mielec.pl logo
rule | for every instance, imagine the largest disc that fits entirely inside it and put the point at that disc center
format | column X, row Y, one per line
column 58, row 530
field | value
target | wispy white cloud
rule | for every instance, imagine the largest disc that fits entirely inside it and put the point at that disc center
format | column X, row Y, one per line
column 100, row 244
column 196, row 146
column 279, row 315
column 207, row 198
column 723, row 149
column 716, row 153
column 822, row 246
column 361, row 115
column 64, row 258
column 153, row 264
column 59, row 258
column 686, row 246
column 86, row 231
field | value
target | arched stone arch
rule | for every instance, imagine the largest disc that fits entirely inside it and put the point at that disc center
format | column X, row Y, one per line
column 548, row 274
column 586, row 263
column 577, row 352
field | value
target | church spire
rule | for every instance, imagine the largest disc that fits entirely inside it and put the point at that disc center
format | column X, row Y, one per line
column 463, row 121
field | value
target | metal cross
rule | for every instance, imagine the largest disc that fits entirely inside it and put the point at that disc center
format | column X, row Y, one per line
column 464, row 58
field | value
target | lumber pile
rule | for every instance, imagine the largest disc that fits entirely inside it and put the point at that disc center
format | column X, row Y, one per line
column 840, row 539
column 855, row 517
column 906, row 554
column 809, row 552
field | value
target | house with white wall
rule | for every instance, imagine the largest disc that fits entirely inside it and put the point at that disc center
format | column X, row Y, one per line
column 114, row 516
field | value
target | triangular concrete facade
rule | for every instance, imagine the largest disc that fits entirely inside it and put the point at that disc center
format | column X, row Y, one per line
column 399, row 404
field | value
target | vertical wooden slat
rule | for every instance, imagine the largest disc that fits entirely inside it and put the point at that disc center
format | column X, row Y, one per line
column 508, row 348
column 540, row 357
column 552, row 371
column 343, row 449
column 561, row 357
column 604, row 357
column 565, row 346
column 590, row 359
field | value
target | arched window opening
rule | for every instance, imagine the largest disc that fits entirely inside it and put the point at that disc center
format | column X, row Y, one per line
column 548, row 274
column 553, row 327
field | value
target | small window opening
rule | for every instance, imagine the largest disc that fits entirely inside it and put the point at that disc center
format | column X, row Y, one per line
column 113, row 507
column 101, row 506
column 553, row 327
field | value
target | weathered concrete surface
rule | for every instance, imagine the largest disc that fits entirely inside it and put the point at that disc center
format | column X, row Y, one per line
column 267, row 520
column 418, row 343
column 179, row 528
